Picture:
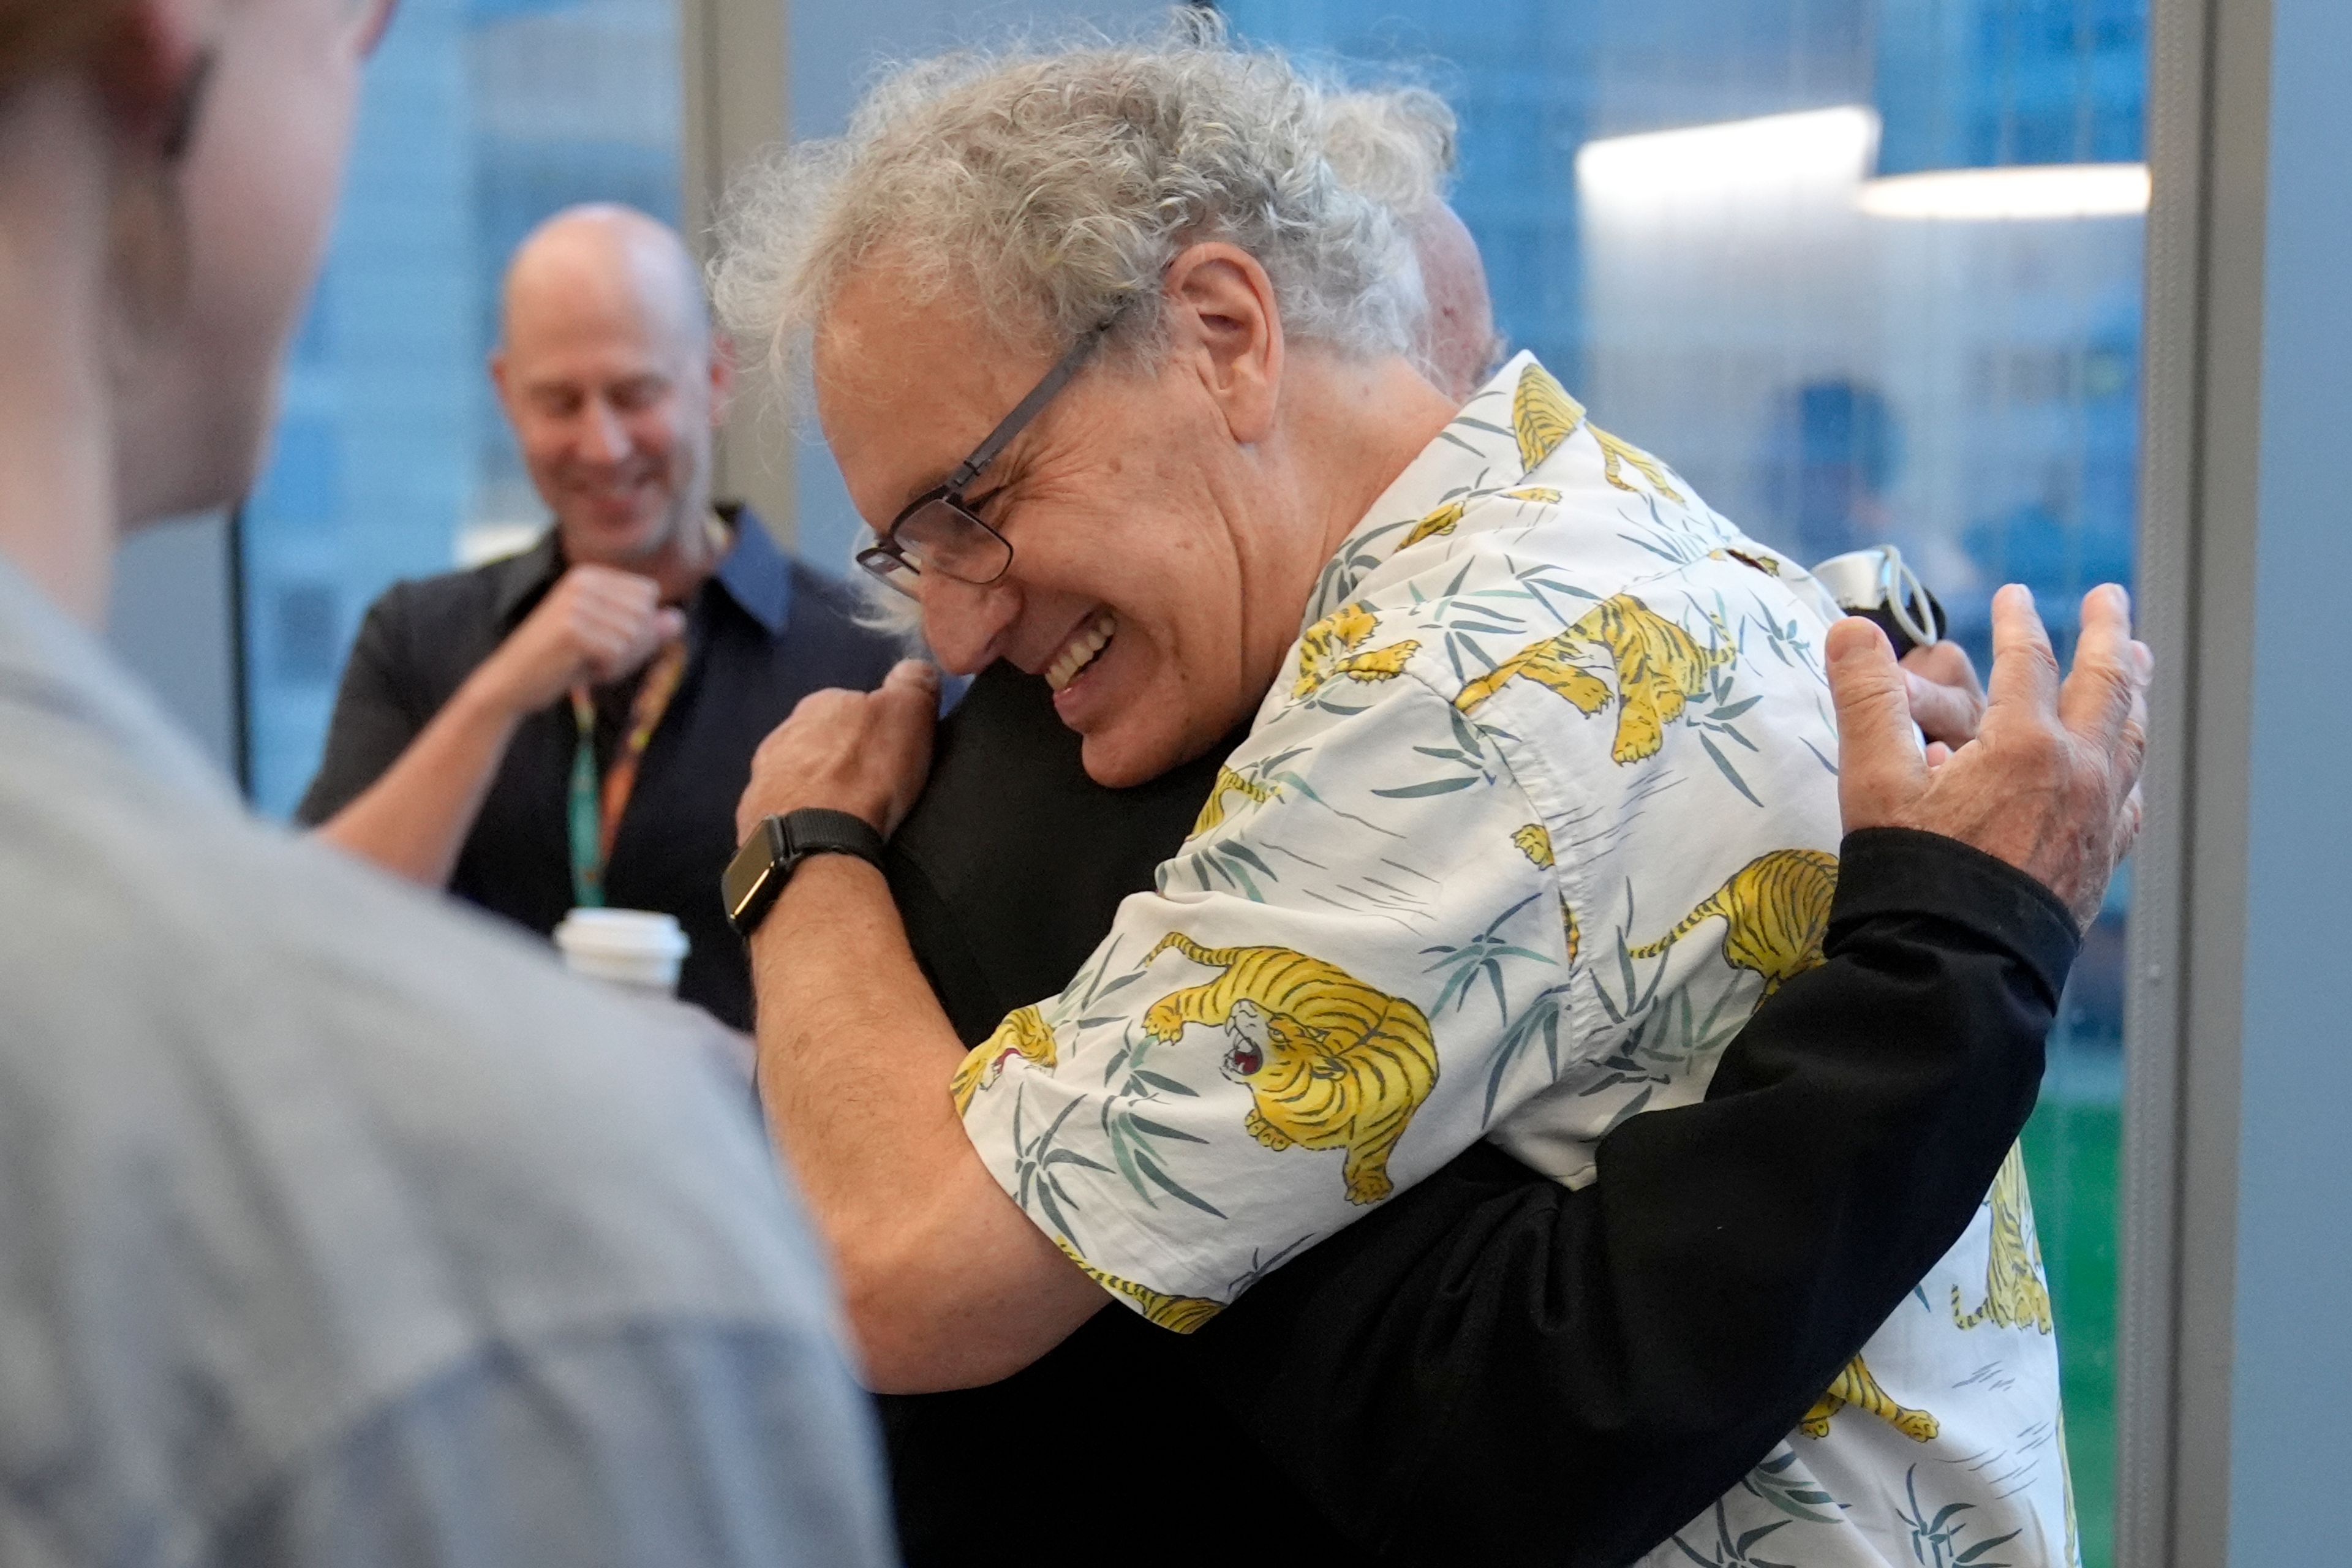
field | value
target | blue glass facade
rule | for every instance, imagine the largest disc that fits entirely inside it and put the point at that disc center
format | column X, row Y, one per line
column 481, row 118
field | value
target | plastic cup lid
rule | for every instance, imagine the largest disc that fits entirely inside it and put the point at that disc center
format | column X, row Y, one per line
column 633, row 932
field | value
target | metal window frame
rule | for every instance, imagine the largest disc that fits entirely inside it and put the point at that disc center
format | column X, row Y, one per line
column 735, row 68
column 2209, row 136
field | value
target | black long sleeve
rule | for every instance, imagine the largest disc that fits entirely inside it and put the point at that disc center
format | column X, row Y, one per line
column 1503, row 1370
column 1488, row 1367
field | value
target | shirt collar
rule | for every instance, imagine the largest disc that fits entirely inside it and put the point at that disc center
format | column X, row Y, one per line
column 521, row 579
column 756, row 574
column 1478, row 450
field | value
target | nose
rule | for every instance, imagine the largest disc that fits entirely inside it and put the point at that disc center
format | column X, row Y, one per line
column 965, row 624
column 602, row 438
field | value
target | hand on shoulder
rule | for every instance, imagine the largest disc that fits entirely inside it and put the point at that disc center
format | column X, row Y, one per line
column 2050, row 781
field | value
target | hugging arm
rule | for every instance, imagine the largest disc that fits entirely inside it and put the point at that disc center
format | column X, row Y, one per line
column 1562, row 1376
column 1492, row 1367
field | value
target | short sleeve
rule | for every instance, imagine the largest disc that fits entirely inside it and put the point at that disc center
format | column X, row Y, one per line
column 373, row 720
column 1319, row 1006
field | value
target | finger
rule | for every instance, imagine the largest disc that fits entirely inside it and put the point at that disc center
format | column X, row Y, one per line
column 2096, row 700
column 1948, row 663
column 1938, row 754
column 610, row 581
column 1879, row 766
column 2128, row 835
column 913, row 676
column 1946, row 712
column 2024, row 669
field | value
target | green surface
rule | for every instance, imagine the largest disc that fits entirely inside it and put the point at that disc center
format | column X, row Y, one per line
column 2071, row 1151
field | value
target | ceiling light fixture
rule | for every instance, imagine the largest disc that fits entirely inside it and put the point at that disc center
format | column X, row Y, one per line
column 2013, row 193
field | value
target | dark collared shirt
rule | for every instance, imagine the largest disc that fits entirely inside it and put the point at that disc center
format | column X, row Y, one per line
column 763, row 632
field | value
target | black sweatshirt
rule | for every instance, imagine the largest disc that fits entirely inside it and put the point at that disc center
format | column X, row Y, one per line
column 1488, row 1367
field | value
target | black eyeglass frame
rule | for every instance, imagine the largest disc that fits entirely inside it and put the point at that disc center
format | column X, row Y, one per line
column 885, row 558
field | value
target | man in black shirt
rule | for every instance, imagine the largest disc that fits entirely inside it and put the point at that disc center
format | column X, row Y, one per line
column 1491, row 1367
column 572, row 726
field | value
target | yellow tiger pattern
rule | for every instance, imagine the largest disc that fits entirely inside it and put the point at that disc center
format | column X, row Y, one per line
column 1617, row 456
column 1775, row 912
column 1024, row 1034
column 1182, row 1313
column 1213, row 810
column 1542, row 416
column 1660, row 667
column 1856, row 1387
column 1330, row 1063
column 1754, row 559
column 1442, row 519
column 1535, row 843
column 2015, row 1296
column 1328, row 651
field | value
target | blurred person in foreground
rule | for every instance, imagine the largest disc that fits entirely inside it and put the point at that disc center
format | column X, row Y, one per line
column 336, row 1227
column 570, row 727
column 1400, row 922
column 1010, row 869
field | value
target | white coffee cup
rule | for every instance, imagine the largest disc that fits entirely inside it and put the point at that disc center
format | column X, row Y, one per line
column 633, row 948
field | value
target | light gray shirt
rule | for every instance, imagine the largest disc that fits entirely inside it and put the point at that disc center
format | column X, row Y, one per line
column 337, row 1226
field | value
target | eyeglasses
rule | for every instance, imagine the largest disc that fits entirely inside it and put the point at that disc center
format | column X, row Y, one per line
column 937, row 532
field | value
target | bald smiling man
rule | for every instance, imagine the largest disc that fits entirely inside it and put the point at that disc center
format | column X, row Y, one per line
column 573, row 725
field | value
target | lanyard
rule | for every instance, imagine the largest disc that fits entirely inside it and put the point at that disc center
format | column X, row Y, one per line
column 596, row 813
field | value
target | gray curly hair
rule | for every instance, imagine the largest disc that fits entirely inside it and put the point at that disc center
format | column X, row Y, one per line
column 1396, row 145
column 1055, row 187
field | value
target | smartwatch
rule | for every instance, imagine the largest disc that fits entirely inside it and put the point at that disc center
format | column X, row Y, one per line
column 1879, row 585
column 757, row 875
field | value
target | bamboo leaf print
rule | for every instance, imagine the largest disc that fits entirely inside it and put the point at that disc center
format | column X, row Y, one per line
column 1165, row 1084
column 1729, row 772
column 1172, row 1187
column 1420, row 791
column 1160, row 1129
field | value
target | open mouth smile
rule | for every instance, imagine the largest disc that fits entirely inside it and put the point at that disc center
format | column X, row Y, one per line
column 1085, row 645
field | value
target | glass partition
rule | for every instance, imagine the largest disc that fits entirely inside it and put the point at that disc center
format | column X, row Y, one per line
column 1865, row 271
column 481, row 118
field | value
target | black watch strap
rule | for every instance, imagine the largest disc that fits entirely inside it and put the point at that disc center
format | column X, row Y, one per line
column 755, row 878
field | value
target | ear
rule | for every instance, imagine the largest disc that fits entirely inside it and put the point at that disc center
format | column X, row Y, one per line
column 499, row 379
column 1223, row 321
column 722, row 379
column 150, row 71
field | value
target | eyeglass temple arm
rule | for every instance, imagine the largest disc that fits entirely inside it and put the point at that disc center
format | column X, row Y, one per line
column 1013, row 424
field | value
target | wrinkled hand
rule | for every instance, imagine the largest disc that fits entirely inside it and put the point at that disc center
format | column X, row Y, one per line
column 865, row 752
column 595, row 625
column 2050, row 785
column 1947, row 703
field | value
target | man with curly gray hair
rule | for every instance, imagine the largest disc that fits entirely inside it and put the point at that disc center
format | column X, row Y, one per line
column 1490, row 651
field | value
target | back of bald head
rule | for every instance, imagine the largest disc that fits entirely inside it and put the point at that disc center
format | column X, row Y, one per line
column 606, row 260
column 1400, row 148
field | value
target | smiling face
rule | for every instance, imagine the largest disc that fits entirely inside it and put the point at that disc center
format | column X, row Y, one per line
column 1163, row 539
column 608, row 376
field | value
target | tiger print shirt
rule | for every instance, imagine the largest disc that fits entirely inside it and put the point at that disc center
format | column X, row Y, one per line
column 1541, row 807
